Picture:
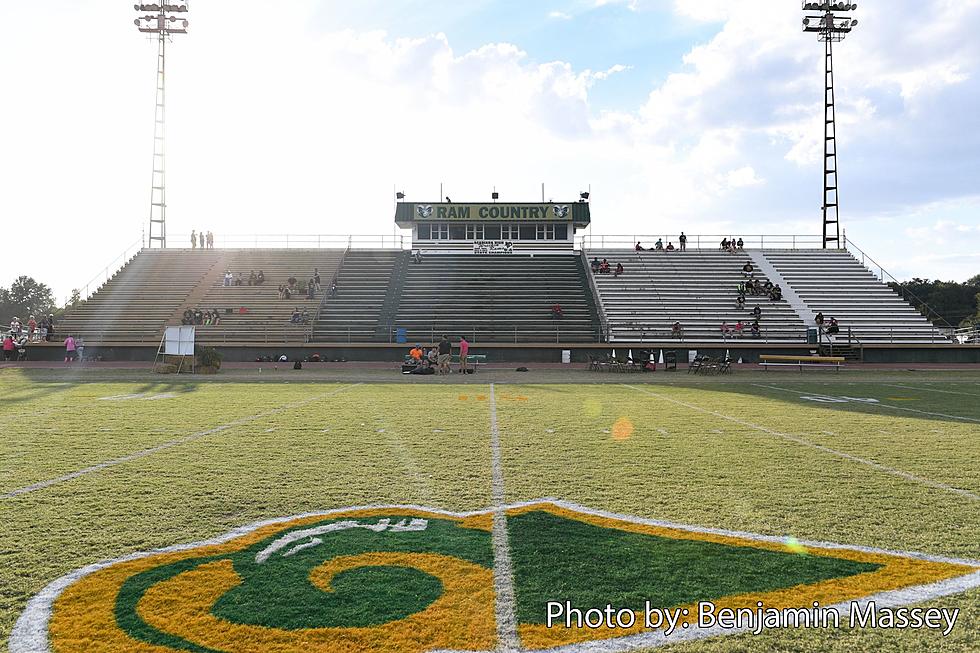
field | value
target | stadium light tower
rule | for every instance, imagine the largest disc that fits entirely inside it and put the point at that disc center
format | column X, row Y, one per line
column 164, row 20
column 832, row 28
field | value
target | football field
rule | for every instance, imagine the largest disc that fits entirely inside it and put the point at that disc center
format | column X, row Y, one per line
column 446, row 516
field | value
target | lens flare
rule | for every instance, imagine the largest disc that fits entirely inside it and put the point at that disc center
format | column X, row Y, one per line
column 794, row 545
column 623, row 429
column 592, row 407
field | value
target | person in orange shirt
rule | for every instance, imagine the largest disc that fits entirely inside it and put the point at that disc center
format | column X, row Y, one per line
column 416, row 353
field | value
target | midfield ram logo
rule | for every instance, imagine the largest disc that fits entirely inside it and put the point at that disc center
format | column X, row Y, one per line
column 413, row 579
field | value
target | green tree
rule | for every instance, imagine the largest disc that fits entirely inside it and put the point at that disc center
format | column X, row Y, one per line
column 943, row 302
column 26, row 297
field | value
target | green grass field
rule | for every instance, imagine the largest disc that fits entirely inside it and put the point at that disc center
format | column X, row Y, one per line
column 776, row 454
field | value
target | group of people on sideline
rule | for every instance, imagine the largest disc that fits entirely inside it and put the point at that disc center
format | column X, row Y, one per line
column 438, row 358
column 206, row 240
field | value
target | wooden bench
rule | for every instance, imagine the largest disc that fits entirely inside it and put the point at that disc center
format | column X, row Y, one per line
column 473, row 360
column 767, row 361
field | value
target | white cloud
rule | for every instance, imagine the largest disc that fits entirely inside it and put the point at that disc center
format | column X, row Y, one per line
column 559, row 15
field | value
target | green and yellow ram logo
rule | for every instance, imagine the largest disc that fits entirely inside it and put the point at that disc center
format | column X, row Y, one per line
column 418, row 580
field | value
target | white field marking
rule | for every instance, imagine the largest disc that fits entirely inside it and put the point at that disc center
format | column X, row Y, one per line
column 911, row 410
column 30, row 633
column 165, row 395
column 503, row 573
column 828, row 432
column 270, row 430
column 662, row 432
column 945, row 392
column 717, row 431
column 166, row 445
column 799, row 440
column 122, row 397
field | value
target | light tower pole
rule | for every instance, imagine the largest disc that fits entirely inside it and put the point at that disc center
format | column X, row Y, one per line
column 162, row 19
column 831, row 28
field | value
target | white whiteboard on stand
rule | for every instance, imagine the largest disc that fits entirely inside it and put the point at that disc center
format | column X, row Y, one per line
column 179, row 341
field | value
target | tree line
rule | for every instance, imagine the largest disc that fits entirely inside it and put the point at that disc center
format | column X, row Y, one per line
column 944, row 302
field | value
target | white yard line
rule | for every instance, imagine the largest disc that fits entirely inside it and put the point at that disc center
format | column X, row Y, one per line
column 799, row 440
column 503, row 572
column 163, row 447
column 879, row 404
column 945, row 392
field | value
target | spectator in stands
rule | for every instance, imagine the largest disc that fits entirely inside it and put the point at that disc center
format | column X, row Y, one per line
column 416, row 354
column 200, row 237
column 238, row 279
column 417, row 256
column 776, row 293
column 316, row 278
column 659, row 245
column 333, row 288
column 193, row 239
column 604, row 267
column 757, row 312
column 740, row 302
column 731, row 245
column 619, row 270
column 739, row 329
column 683, row 242
column 670, row 247
column 756, row 329
column 639, row 247
column 297, row 316
column 834, row 326
column 228, row 278
column 819, row 319
column 42, row 332
column 8, row 347
column 310, row 289
column 724, row 243
column 215, row 317
column 15, row 326
column 464, row 352
column 50, row 332
column 445, row 354
column 70, row 349
column 291, row 283
column 756, row 287
column 741, row 288
column 210, row 240
column 676, row 331
column 725, row 330
column 595, row 265
column 252, row 278
column 198, row 317
column 748, row 270
column 260, row 278
column 31, row 327
column 556, row 312
column 282, row 291
column 740, row 244
column 767, row 287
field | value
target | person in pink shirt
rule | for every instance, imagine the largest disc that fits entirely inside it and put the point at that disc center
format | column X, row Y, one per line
column 69, row 350
column 464, row 350
column 8, row 348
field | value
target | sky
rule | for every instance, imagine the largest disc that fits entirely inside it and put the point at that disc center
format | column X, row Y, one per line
column 304, row 116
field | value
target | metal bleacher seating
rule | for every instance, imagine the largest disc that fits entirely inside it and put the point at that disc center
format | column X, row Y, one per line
column 835, row 283
column 135, row 304
column 352, row 315
column 503, row 299
column 696, row 288
column 255, row 314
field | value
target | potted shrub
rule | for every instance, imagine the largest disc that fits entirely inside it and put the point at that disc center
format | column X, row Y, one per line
column 208, row 360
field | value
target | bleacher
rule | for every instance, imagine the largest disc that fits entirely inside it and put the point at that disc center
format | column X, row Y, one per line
column 352, row 314
column 696, row 288
column 835, row 283
column 495, row 299
column 135, row 304
column 255, row 314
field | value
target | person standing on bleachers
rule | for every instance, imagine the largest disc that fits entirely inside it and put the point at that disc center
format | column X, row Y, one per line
column 683, row 242
column 316, row 278
column 201, row 238
column 210, row 240
column 193, row 239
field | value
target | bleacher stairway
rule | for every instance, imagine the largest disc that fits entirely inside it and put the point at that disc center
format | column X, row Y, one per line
column 363, row 284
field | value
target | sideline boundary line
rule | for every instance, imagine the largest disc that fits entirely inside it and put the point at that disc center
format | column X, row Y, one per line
column 30, row 632
column 945, row 392
column 163, row 447
column 799, row 440
column 882, row 405
column 503, row 572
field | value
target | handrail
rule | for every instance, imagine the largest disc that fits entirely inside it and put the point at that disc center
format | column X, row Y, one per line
column 600, row 309
column 703, row 241
column 323, row 298
column 881, row 275
column 301, row 241
column 112, row 265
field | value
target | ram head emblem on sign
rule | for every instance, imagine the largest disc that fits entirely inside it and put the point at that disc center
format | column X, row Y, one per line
column 560, row 211
column 424, row 211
